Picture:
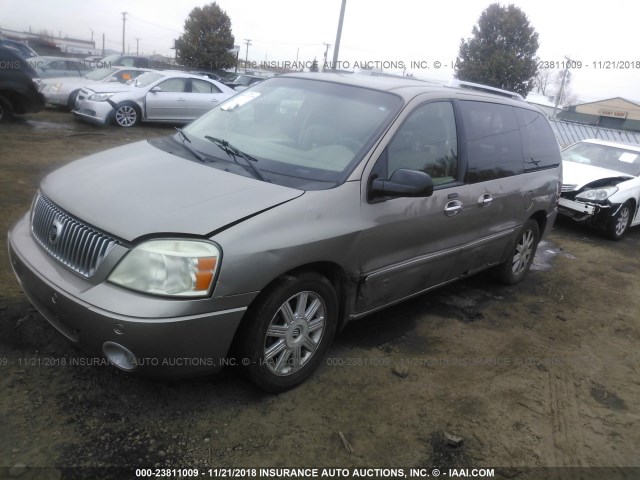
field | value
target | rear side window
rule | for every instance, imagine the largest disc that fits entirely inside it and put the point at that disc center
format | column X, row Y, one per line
column 540, row 146
column 493, row 142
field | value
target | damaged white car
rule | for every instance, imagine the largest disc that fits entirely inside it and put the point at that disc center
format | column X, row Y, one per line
column 601, row 185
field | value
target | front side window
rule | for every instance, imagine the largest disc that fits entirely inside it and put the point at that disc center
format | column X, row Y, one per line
column 173, row 85
column 426, row 141
column 494, row 146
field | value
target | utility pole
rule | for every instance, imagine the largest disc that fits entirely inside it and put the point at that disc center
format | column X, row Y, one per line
column 561, row 92
column 247, row 42
column 103, row 44
column 137, row 45
column 91, row 35
column 326, row 50
column 336, row 50
column 124, row 20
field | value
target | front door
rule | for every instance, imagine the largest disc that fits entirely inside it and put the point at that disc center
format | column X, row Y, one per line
column 170, row 102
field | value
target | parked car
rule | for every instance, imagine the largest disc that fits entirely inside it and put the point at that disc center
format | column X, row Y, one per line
column 63, row 91
column 21, row 48
column 18, row 88
column 168, row 96
column 49, row 67
column 287, row 211
column 242, row 82
column 601, row 185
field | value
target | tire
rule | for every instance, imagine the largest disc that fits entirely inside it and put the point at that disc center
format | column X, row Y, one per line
column 6, row 110
column 619, row 223
column 288, row 331
column 523, row 251
column 126, row 114
column 71, row 102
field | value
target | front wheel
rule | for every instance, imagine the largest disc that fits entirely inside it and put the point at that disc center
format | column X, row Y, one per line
column 289, row 330
column 522, row 253
column 127, row 114
column 619, row 223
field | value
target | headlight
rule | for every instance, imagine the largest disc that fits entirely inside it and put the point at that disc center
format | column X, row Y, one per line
column 175, row 268
column 597, row 194
column 100, row 97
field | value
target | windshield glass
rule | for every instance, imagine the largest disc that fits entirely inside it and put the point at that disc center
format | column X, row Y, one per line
column 100, row 73
column 147, row 79
column 604, row 156
column 299, row 128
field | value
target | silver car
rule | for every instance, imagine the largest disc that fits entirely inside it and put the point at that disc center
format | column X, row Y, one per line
column 63, row 91
column 156, row 96
column 307, row 201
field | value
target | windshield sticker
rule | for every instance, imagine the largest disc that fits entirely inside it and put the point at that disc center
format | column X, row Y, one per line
column 239, row 100
column 628, row 157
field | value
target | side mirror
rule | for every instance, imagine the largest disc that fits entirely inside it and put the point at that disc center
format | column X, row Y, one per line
column 156, row 89
column 403, row 183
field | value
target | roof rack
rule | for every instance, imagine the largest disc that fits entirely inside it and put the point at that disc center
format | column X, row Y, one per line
column 485, row 88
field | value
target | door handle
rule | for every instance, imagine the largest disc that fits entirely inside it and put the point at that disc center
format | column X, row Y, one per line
column 452, row 208
column 181, row 100
column 485, row 200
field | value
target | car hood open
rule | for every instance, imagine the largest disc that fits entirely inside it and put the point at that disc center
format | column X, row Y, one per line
column 138, row 190
column 579, row 174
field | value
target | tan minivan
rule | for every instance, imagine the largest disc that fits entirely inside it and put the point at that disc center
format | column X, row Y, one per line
column 294, row 207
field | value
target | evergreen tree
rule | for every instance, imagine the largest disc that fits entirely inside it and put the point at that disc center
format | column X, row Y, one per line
column 207, row 39
column 501, row 52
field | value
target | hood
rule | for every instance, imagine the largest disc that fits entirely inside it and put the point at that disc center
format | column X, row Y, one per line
column 137, row 190
column 580, row 174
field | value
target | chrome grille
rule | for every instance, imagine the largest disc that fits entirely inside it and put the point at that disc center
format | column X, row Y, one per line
column 71, row 242
column 567, row 187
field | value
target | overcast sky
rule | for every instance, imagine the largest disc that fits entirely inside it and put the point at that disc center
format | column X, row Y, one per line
column 402, row 30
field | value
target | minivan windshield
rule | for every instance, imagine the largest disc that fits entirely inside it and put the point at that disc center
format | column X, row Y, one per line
column 299, row 128
column 604, row 156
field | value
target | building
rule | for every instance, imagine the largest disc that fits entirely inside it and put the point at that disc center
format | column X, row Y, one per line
column 51, row 45
column 616, row 113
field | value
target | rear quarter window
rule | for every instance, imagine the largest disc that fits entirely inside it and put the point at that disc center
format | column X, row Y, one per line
column 493, row 143
column 541, row 149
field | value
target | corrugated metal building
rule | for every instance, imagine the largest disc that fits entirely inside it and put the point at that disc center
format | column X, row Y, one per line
column 617, row 113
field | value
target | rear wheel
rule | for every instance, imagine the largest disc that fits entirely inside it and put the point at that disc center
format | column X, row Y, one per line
column 522, row 253
column 6, row 110
column 127, row 114
column 289, row 330
column 619, row 223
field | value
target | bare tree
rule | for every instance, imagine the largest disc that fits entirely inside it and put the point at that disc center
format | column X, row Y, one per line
column 543, row 80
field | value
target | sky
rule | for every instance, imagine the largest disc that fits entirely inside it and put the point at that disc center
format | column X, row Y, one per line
column 411, row 33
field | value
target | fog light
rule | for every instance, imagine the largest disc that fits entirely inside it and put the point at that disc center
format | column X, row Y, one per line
column 119, row 356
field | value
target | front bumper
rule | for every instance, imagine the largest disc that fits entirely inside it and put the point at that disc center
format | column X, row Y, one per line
column 172, row 346
column 593, row 214
column 99, row 113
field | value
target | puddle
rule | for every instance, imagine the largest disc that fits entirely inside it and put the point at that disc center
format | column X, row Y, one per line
column 546, row 254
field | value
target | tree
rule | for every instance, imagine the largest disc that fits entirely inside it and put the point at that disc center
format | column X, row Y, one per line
column 502, row 51
column 314, row 66
column 207, row 39
column 543, row 80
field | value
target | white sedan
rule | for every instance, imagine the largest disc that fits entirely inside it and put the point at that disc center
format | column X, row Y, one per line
column 158, row 96
column 601, row 185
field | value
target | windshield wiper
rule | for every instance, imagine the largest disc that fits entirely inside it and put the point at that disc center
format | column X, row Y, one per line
column 234, row 153
column 193, row 152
